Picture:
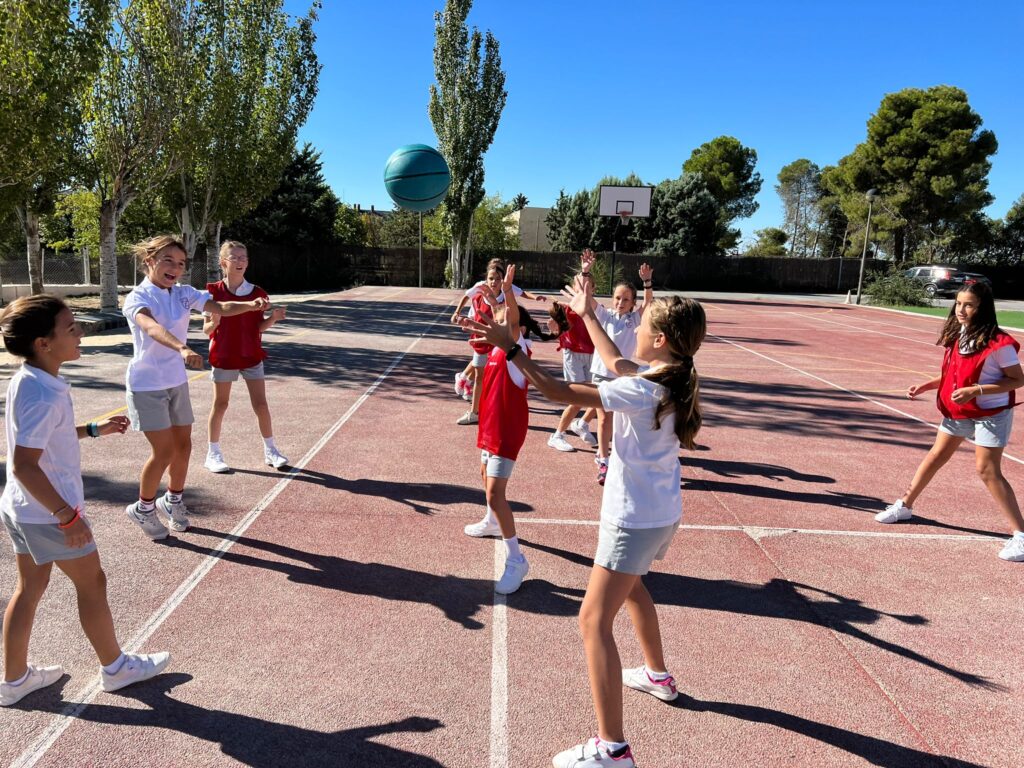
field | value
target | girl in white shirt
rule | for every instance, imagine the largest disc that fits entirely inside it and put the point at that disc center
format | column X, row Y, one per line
column 656, row 410
column 157, row 383
column 43, row 504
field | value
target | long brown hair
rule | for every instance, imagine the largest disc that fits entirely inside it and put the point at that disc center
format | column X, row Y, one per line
column 684, row 325
column 28, row 318
column 982, row 328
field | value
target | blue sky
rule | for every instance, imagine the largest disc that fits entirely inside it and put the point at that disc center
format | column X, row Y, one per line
column 600, row 88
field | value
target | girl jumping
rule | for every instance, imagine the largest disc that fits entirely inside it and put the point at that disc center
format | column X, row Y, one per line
column 158, row 400
column 235, row 348
column 655, row 410
column 980, row 371
column 43, row 504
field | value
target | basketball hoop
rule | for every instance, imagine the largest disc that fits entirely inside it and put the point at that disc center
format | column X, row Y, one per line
column 624, row 217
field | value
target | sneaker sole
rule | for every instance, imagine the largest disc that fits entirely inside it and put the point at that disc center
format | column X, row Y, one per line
column 484, row 535
column 156, row 671
column 157, row 537
column 655, row 694
column 566, row 449
column 282, row 465
column 220, row 471
column 898, row 519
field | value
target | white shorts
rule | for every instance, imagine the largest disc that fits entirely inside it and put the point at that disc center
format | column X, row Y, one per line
column 497, row 466
column 480, row 359
column 576, row 366
column 988, row 432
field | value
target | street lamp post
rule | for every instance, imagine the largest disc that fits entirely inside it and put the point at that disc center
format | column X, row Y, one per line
column 870, row 196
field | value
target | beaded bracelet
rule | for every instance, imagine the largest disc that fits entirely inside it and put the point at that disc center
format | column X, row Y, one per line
column 92, row 429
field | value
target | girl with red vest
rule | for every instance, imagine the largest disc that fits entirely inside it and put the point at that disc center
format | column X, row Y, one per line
column 980, row 371
column 483, row 297
column 235, row 349
column 577, row 356
column 504, row 422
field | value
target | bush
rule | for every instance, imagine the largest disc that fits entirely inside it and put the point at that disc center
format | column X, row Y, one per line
column 599, row 271
column 897, row 290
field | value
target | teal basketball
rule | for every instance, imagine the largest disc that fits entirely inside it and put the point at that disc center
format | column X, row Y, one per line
column 417, row 177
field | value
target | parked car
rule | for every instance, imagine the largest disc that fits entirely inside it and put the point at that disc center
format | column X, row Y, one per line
column 943, row 280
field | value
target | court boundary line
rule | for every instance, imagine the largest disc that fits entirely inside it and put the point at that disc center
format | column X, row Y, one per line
column 77, row 703
column 499, row 667
column 841, row 388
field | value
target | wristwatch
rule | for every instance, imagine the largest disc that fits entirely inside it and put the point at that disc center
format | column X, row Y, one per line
column 515, row 350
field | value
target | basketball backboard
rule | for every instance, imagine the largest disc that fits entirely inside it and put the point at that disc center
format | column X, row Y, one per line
column 625, row 201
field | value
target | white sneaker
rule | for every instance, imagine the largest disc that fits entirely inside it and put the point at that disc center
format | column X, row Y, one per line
column 580, row 428
column 512, row 578
column 482, row 529
column 559, row 443
column 215, row 463
column 274, row 458
column 147, row 521
column 468, row 418
column 1013, row 550
column 894, row 513
column 592, row 755
column 639, row 680
column 460, row 383
column 136, row 668
column 176, row 514
column 38, row 677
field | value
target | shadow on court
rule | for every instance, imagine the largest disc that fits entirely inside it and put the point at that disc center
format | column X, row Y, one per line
column 780, row 599
column 250, row 740
column 459, row 599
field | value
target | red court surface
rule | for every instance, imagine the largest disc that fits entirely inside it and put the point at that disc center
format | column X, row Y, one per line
column 335, row 613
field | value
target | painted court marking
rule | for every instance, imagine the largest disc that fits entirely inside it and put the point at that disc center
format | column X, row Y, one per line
column 83, row 698
column 499, row 667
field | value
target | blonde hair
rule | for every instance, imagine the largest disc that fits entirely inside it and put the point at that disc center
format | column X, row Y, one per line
column 152, row 247
column 684, row 325
column 229, row 245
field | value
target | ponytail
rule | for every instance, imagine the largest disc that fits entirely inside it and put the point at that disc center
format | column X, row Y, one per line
column 684, row 325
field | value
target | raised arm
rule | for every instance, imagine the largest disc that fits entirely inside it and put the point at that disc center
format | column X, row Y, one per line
column 581, row 302
column 586, row 264
column 511, row 307
column 646, row 273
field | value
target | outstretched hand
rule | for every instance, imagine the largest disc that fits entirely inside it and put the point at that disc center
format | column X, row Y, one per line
column 490, row 330
column 580, row 295
column 646, row 272
column 506, row 282
column 587, row 259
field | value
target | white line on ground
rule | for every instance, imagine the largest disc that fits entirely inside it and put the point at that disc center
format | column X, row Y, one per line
column 761, row 531
column 499, row 668
column 843, row 389
column 78, row 702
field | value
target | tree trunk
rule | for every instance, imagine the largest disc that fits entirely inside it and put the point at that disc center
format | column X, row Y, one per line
column 189, row 235
column 455, row 264
column 108, row 254
column 35, row 261
column 213, row 252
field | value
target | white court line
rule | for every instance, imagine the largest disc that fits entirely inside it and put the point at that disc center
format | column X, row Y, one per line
column 499, row 667
column 761, row 531
column 870, row 330
column 844, row 389
column 83, row 698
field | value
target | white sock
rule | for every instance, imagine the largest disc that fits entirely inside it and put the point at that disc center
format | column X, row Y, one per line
column 268, row 443
column 612, row 746
column 147, row 506
column 656, row 675
column 512, row 545
column 173, row 498
column 491, row 518
column 20, row 680
column 214, row 448
column 115, row 665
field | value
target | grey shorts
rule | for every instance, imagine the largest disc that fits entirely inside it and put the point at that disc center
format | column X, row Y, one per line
column 231, row 374
column 44, row 542
column 480, row 359
column 988, row 432
column 497, row 466
column 160, row 409
column 632, row 550
column 576, row 366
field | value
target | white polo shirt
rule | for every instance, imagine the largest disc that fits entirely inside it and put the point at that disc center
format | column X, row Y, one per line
column 641, row 489
column 621, row 329
column 39, row 415
column 153, row 366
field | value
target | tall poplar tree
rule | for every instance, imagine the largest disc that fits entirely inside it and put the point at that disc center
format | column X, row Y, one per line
column 465, row 108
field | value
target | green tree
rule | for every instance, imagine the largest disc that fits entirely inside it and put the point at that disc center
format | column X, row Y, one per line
column 48, row 53
column 252, row 78
column 728, row 170
column 685, row 219
column 519, row 202
column 493, row 232
column 928, row 158
column 465, row 107
column 348, row 227
column 130, row 113
column 771, row 241
column 298, row 214
column 800, row 189
column 401, row 229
